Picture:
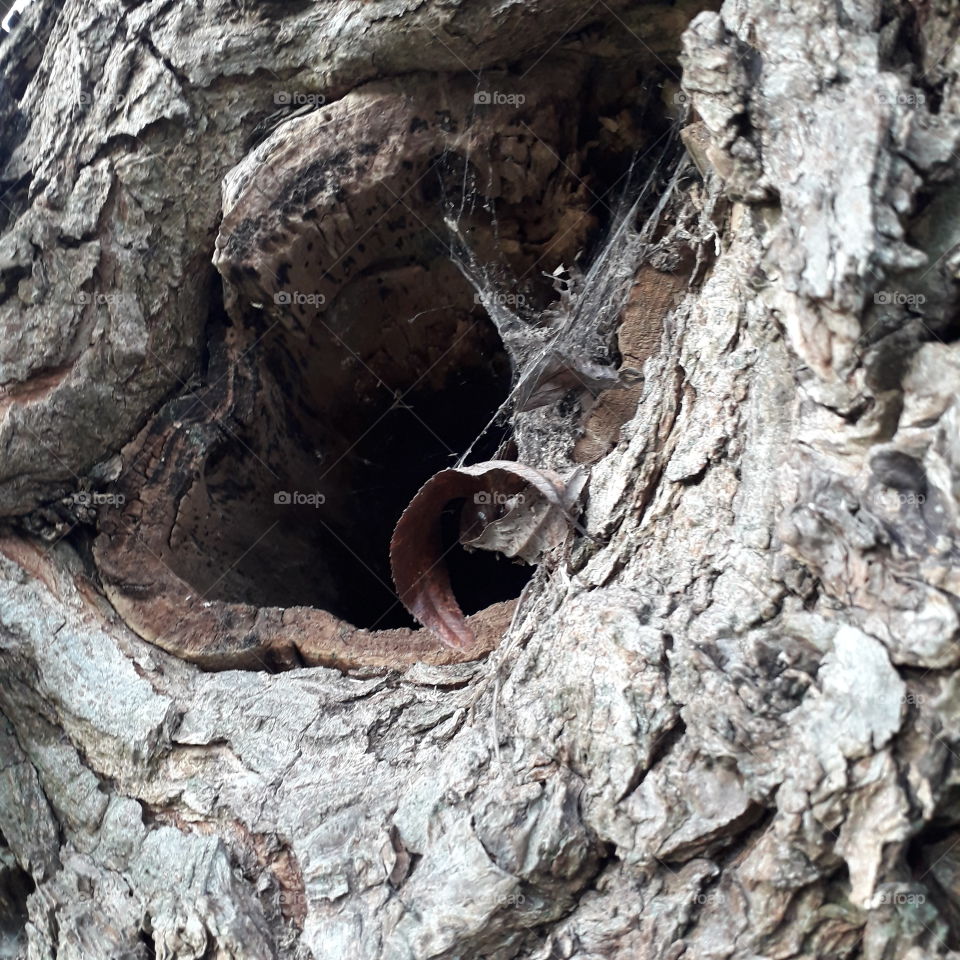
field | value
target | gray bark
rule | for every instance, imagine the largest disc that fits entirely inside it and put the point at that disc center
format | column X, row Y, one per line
column 724, row 727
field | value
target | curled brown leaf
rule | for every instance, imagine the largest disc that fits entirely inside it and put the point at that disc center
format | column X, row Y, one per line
column 508, row 507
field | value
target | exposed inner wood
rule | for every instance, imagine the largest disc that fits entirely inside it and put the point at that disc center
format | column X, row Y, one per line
column 352, row 361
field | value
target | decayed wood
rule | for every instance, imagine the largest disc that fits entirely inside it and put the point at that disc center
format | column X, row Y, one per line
column 723, row 725
column 134, row 563
column 302, row 217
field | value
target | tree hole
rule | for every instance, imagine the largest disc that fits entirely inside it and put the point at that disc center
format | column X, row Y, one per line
column 353, row 390
column 339, row 431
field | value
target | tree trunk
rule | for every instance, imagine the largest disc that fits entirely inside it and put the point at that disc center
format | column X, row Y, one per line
column 264, row 268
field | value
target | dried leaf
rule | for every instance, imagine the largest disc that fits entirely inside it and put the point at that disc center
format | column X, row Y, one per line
column 525, row 525
column 495, row 491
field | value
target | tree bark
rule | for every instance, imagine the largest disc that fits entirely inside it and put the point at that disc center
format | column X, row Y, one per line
column 724, row 718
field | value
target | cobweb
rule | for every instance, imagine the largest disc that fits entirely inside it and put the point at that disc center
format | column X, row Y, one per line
column 569, row 344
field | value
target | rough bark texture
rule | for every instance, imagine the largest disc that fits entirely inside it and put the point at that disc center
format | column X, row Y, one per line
column 724, row 722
